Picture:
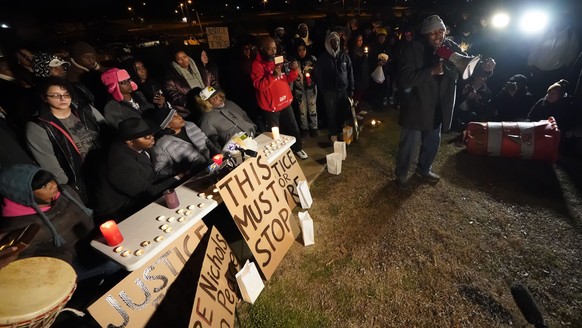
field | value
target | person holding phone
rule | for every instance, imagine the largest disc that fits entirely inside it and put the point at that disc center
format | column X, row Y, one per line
column 273, row 92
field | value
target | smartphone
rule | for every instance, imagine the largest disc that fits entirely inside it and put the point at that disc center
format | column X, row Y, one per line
column 279, row 60
column 20, row 238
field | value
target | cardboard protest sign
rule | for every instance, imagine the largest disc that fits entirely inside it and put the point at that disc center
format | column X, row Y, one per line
column 218, row 37
column 288, row 174
column 216, row 292
column 133, row 301
column 260, row 211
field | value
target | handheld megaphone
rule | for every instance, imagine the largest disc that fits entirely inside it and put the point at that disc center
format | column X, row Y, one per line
column 464, row 64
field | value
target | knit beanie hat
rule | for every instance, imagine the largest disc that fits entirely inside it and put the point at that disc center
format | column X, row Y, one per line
column 42, row 63
column 111, row 79
column 562, row 85
column 80, row 48
column 159, row 116
column 16, row 185
column 432, row 23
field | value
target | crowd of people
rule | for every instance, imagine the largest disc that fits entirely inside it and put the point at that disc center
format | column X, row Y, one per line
column 81, row 133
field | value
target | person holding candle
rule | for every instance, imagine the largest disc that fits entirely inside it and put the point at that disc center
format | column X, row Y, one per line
column 128, row 178
column 273, row 92
column 359, row 57
column 33, row 196
column 181, row 145
column 305, row 90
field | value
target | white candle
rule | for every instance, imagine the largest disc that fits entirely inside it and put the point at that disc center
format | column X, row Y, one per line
column 275, row 131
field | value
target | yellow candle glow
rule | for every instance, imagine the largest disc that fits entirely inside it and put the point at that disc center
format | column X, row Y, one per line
column 373, row 122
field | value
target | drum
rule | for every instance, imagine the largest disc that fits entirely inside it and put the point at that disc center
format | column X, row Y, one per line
column 525, row 140
column 34, row 290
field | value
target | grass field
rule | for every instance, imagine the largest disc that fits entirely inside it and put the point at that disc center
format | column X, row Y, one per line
column 444, row 255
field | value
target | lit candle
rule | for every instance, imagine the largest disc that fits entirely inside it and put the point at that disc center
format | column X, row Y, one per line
column 365, row 50
column 275, row 131
column 217, row 159
column 373, row 122
column 111, row 233
column 308, row 78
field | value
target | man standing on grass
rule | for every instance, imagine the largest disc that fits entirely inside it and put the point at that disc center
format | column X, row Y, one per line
column 429, row 89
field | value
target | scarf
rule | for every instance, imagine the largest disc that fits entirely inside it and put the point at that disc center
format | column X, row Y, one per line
column 193, row 78
column 96, row 67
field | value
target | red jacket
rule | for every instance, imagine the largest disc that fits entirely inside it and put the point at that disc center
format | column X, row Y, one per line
column 273, row 94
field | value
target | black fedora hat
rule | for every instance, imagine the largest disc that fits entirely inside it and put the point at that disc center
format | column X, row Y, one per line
column 135, row 127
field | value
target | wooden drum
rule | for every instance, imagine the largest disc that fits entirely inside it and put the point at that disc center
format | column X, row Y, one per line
column 34, row 290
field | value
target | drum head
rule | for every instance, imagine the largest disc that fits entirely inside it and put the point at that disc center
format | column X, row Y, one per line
column 32, row 287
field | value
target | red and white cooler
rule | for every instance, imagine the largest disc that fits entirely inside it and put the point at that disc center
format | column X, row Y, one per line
column 525, row 140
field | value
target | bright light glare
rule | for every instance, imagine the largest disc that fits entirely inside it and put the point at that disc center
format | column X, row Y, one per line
column 500, row 20
column 533, row 21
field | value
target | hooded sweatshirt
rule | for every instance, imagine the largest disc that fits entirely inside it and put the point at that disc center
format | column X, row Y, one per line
column 63, row 224
column 334, row 68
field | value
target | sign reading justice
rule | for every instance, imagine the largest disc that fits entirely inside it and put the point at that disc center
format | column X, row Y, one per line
column 133, row 301
column 259, row 208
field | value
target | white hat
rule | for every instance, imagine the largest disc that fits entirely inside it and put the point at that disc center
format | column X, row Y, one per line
column 56, row 62
column 207, row 93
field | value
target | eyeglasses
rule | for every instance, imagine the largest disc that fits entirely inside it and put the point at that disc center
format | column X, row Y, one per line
column 125, row 82
column 58, row 96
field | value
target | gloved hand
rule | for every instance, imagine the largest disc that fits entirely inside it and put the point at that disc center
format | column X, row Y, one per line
column 444, row 52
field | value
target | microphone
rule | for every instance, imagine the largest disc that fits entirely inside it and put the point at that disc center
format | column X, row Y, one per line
column 527, row 305
column 248, row 152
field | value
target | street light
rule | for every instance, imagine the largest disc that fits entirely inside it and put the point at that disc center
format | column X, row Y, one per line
column 187, row 10
column 182, row 9
column 265, row 4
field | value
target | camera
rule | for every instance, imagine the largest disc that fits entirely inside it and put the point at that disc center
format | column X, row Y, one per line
column 284, row 63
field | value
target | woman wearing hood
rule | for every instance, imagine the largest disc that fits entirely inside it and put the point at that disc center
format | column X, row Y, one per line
column 32, row 196
column 335, row 82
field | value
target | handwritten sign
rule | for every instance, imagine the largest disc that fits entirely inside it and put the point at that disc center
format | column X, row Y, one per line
column 216, row 293
column 133, row 301
column 288, row 174
column 260, row 211
column 218, row 37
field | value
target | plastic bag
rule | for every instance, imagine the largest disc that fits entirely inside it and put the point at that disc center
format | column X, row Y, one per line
column 378, row 75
